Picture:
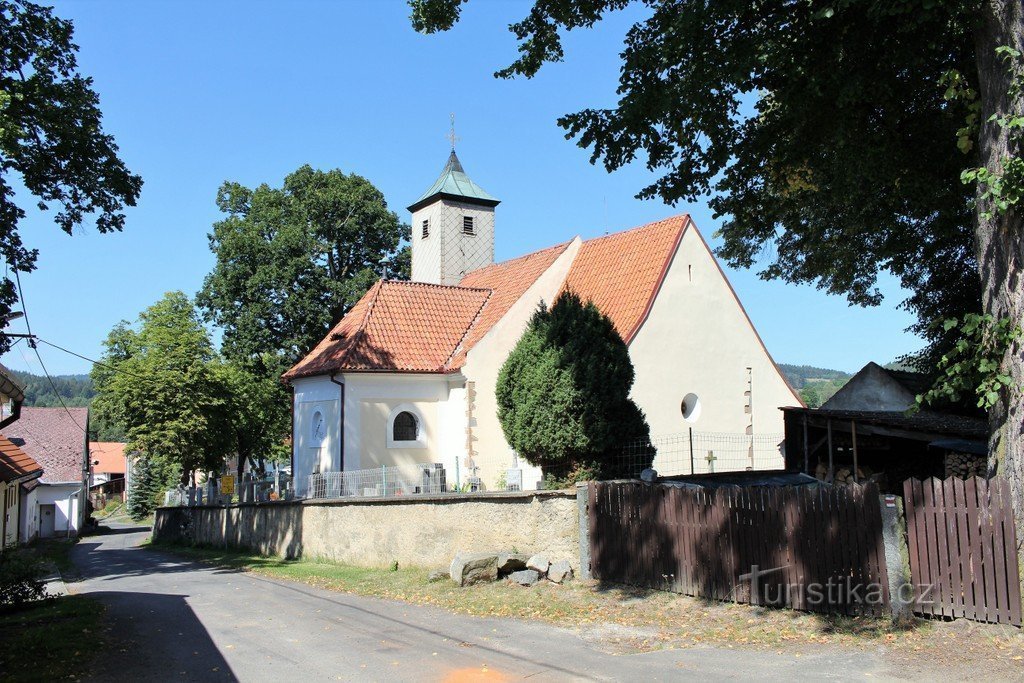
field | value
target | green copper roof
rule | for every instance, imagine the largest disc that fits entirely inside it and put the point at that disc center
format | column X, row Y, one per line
column 453, row 183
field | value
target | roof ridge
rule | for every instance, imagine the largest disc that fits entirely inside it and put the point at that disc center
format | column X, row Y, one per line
column 685, row 217
column 469, row 328
column 436, row 285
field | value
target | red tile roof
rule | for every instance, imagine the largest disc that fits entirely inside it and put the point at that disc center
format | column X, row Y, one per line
column 397, row 326
column 110, row 455
column 14, row 462
column 622, row 273
column 508, row 281
column 52, row 438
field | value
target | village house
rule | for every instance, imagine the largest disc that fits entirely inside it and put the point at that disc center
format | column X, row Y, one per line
column 408, row 376
column 17, row 469
column 108, row 472
column 56, row 438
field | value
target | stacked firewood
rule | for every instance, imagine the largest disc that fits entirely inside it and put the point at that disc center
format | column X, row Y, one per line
column 964, row 465
column 843, row 475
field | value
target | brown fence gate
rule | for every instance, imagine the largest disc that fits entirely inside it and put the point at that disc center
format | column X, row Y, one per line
column 963, row 549
column 812, row 548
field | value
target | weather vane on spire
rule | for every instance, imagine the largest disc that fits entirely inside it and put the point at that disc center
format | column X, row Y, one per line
column 451, row 133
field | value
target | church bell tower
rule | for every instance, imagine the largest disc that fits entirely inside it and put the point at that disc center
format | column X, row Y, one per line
column 452, row 227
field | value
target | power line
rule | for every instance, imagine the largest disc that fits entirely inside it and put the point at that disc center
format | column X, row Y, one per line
column 114, row 368
column 32, row 345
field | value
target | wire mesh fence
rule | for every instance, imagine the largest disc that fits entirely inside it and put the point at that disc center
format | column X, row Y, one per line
column 381, row 482
column 703, row 453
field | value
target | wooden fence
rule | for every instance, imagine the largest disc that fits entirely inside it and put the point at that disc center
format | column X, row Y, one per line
column 962, row 543
column 811, row 548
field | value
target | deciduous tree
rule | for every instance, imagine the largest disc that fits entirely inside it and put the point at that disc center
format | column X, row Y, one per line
column 51, row 139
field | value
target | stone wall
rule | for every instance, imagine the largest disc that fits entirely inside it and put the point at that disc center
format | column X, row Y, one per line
column 425, row 531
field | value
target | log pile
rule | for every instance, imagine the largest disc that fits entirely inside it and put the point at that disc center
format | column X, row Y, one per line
column 965, row 465
column 844, row 474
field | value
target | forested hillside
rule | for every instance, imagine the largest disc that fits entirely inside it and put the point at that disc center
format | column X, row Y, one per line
column 76, row 390
column 815, row 385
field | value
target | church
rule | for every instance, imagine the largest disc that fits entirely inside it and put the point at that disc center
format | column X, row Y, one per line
column 408, row 376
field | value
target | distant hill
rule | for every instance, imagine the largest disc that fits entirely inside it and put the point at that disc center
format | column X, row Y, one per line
column 76, row 390
column 815, row 385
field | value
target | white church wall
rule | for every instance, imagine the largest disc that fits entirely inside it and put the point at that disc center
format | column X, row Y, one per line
column 448, row 253
column 373, row 397
column 313, row 453
column 426, row 253
column 698, row 340
column 492, row 453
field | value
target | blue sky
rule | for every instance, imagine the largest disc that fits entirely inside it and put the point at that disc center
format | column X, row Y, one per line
column 198, row 93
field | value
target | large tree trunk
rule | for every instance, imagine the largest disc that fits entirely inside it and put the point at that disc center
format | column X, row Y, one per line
column 1000, row 240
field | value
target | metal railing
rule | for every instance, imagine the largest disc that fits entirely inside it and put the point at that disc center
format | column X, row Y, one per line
column 379, row 482
column 703, row 453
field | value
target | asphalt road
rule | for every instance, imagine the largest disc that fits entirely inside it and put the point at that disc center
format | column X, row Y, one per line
column 176, row 620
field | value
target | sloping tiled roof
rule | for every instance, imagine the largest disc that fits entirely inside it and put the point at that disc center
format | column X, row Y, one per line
column 399, row 327
column 14, row 462
column 508, row 281
column 622, row 273
column 454, row 183
column 110, row 455
column 52, row 438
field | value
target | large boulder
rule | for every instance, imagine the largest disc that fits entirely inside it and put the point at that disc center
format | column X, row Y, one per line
column 560, row 571
column 511, row 562
column 469, row 568
column 539, row 563
column 526, row 577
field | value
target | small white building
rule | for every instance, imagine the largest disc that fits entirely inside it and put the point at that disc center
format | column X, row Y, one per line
column 408, row 375
column 55, row 503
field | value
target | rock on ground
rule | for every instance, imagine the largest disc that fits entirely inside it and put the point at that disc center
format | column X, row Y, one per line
column 437, row 575
column 539, row 563
column 469, row 568
column 525, row 577
column 560, row 571
column 511, row 562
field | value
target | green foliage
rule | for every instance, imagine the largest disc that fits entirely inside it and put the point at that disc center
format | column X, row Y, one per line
column 51, row 138
column 150, row 478
column 840, row 173
column 975, row 366
column 21, row 578
column 292, row 260
column 165, row 385
column 563, row 393
column 1001, row 188
column 75, row 390
column 259, row 414
column 800, row 376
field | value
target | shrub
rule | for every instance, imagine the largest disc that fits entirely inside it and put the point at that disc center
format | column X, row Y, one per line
column 563, row 394
column 21, row 578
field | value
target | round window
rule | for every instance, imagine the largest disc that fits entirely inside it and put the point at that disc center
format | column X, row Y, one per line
column 690, row 407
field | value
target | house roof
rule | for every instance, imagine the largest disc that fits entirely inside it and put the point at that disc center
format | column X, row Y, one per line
column 926, row 421
column 15, row 463
column 9, row 386
column 453, row 183
column 397, row 326
column 110, row 457
column 53, row 438
column 623, row 272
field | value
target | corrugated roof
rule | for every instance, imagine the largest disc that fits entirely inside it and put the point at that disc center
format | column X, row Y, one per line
column 54, row 439
column 397, row 326
column 110, row 455
column 454, row 183
column 622, row 273
column 14, row 462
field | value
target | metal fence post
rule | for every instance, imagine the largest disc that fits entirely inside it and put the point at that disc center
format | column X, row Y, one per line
column 582, row 494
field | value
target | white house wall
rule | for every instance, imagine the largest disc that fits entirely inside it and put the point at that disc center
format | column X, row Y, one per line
column 66, row 500
column 492, row 453
column 314, row 394
column 697, row 339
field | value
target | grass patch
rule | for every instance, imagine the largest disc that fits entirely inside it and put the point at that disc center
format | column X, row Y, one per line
column 50, row 640
column 55, row 550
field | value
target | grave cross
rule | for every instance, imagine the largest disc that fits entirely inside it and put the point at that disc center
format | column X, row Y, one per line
column 711, row 461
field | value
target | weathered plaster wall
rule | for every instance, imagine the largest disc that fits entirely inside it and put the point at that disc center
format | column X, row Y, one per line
column 871, row 389
column 425, row 532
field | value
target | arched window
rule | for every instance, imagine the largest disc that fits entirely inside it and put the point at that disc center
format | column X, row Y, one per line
column 405, row 427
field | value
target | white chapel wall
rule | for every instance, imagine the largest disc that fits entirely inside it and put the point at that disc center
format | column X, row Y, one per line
column 698, row 340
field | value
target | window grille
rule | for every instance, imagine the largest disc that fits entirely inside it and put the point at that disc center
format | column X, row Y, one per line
column 405, row 427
